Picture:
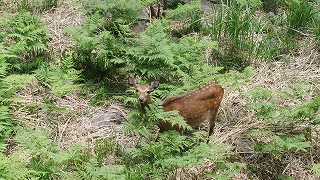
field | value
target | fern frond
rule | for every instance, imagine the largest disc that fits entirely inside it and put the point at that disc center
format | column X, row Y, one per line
column 183, row 10
column 62, row 80
column 6, row 124
column 38, row 47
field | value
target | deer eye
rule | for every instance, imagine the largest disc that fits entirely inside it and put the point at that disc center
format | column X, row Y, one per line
column 148, row 92
column 136, row 90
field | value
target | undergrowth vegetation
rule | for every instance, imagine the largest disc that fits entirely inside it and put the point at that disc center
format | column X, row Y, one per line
column 185, row 47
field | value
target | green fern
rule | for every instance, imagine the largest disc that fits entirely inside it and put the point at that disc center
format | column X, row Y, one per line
column 6, row 125
column 26, row 39
column 260, row 93
column 3, row 63
column 97, row 52
column 100, row 42
column 316, row 170
column 153, row 53
column 266, row 105
column 12, row 167
column 155, row 112
column 142, row 120
column 62, row 80
column 16, row 81
column 153, row 160
column 281, row 122
column 309, row 112
column 47, row 161
column 189, row 17
column 279, row 145
column 119, row 11
column 295, row 91
column 235, row 79
column 156, row 56
column 184, row 11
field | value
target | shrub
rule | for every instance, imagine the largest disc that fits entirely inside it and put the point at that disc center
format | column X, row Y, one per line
column 156, row 56
column 62, row 80
column 281, row 123
column 100, row 43
column 25, row 38
column 186, row 18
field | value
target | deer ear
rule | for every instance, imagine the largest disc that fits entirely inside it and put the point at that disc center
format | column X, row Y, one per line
column 154, row 85
column 132, row 81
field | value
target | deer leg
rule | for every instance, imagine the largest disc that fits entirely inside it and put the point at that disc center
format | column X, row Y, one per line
column 212, row 121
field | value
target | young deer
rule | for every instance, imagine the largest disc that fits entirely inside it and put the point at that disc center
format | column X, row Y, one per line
column 195, row 106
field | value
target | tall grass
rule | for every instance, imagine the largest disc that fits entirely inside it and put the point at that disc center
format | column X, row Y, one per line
column 233, row 27
column 36, row 5
column 300, row 15
column 243, row 35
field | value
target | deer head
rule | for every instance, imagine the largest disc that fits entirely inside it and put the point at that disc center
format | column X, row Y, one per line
column 143, row 91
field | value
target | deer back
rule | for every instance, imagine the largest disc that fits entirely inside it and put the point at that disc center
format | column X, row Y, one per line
column 195, row 106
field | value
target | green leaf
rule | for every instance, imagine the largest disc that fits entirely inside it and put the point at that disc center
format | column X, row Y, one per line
column 316, row 170
column 259, row 93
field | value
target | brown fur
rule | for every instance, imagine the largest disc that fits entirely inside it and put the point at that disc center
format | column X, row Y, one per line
column 195, row 106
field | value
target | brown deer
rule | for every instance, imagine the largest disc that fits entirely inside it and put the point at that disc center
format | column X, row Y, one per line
column 195, row 106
